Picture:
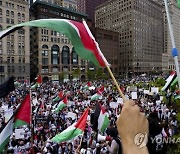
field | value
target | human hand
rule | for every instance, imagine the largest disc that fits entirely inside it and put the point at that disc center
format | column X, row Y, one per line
column 133, row 128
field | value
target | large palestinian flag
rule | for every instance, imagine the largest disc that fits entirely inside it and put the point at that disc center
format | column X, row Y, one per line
column 78, row 32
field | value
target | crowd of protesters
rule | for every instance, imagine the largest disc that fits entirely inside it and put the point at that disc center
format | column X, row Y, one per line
column 47, row 123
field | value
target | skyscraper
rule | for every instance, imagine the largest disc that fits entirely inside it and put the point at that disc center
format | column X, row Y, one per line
column 140, row 27
column 168, row 61
column 88, row 7
column 14, row 49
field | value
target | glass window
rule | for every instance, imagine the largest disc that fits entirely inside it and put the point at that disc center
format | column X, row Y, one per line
column 55, row 54
column 12, row 14
column 65, row 55
column 74, row 57
column 7, row 13
column 23, row 16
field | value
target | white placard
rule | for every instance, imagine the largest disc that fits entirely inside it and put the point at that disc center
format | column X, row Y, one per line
column 120, row 100
column 154, row 90
column 19, row 133
column 71, row 115
column 70, row 103
column 35, row 101
column 114, row 105
column 8, row 114
column 134, row 95
column 146, row 91
column 5, row 107
column 92, row 88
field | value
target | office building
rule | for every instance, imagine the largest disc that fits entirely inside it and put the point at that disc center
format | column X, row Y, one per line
column 140, row 27
column 168, row 63
column 14, row 48
column 88, row 7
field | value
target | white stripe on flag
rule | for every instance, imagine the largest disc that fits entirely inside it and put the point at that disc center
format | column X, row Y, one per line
column 7, row 131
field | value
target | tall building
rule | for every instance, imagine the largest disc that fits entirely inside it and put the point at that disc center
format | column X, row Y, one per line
column 169, row 64
column 70, row 4
column 52, row 54
column 140, row 27
column 88, row 7
column 109, row 44
column 14, row 48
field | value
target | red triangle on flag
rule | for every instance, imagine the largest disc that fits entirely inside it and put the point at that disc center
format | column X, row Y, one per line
column 65, row 100
column 60, row 94
column 81, row 123
column 24, row 112
column 39, row 79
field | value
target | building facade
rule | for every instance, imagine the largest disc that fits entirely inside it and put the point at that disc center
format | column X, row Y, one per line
column 70, row 4
column 140, row 27
column 52, row 54
column 169, row 64
column 14, row 48
column 109, row 44
column 88, row 7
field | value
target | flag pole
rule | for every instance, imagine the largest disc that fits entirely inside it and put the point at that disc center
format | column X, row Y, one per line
column 115, row 82
column 174, row 49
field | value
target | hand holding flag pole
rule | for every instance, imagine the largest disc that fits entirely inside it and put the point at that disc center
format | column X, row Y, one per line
column 174, row 49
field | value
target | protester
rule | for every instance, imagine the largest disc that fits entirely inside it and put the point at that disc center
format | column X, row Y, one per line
column 47, row 122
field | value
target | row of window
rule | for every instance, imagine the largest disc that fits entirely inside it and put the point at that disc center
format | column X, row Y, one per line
column 21, row 69
column 11, row 5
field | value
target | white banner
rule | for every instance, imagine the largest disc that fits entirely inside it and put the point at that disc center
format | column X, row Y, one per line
column 19, row 133
column 8, row 114
column 134, row 95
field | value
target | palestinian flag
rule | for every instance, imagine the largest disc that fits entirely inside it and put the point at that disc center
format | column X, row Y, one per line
column 169, row 80
column 16, row 83
column 60, row 96
column 7, row 87
column 38, row 82
column 87, row 86
column 177, row 95
column 74, row 130
column 100, row 119
column 175, row 81
column 98, row 94
column 78, row 32
column 62, row 104
column 21, row 117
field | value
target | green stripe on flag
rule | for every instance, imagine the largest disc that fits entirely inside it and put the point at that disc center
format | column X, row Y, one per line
column 67, row 135
column 174, row 82
column 105, row 123
column 19, row 123
column 95, row 97
column 3, row 145
column 60, row 107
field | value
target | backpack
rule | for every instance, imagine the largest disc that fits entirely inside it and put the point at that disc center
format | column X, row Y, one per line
column 118, row 141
